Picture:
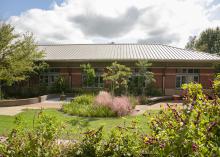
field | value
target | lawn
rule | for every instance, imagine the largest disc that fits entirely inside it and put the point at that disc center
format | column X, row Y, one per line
column 75, row 125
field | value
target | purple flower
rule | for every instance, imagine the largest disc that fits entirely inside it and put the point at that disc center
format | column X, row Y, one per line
column 194, row 147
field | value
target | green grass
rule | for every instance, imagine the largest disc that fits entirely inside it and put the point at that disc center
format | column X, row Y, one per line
column 75, row 125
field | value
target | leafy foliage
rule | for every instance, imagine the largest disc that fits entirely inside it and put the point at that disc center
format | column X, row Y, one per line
column 191, row 131
column 118, row 76
column 60, row 85
column 84, row 106
column 88, row 146
column 35, row 142
column 216, row 85
column 208, row 41
column 141, row 83
column 90, row 74
column 134, row 101
column 19, row 55
column 123, row 141
column 191, row 43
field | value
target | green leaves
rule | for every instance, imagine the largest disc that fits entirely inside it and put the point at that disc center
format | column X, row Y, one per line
column 90, row 74
column 118, row 75
column 216, row 85
column 208, row 41
column 18, row 55
column 40, row 140
column 191, row 131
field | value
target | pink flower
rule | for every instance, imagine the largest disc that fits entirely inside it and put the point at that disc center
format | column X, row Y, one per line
column 119, row 105
column 104, row 98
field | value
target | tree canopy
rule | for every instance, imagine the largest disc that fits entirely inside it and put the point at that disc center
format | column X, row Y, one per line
column 207, row 41
column 118, row 75
column 89, row 72
column 19, row 56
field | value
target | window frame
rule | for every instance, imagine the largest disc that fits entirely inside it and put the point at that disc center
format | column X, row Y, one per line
column 187, row 72
column 98, row 74
column 48, row 75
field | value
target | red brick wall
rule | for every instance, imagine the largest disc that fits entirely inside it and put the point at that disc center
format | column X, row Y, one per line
column 159, row 81
column 170, row 81
column 170, row 78
column 206, row 75
column 73, row 76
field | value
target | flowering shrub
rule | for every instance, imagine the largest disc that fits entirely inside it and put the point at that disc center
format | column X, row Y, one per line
column 84, row 106
column 104, row 98
column 191, row 131
column 120, row 105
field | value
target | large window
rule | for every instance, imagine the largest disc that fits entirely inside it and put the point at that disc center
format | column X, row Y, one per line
column 49, row 76
column 186, row 76
column 98, row 81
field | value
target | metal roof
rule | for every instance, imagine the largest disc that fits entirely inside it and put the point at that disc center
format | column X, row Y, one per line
column 122, row 52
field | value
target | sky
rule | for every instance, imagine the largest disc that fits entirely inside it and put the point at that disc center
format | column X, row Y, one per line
column 169, row 22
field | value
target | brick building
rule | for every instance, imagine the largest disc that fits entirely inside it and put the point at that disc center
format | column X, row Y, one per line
column 171, row 66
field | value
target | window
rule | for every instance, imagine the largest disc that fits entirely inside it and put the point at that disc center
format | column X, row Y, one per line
column 49, row 76
column 186, row 76
column 98, row 81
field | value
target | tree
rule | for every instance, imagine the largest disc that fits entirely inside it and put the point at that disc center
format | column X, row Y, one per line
column 89, row 71
column 208, row 41
column 118, row 76
column 145, row 77
column 19, row 56
column 191, row 43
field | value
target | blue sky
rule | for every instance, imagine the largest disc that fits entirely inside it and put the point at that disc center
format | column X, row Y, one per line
column 15, row 7
column 169, row 22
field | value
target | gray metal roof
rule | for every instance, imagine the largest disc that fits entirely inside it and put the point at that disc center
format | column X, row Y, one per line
column 122, row 52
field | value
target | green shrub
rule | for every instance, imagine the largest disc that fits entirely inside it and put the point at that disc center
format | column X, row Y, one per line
column 143, row 100
column 134, row 101
column 84, row 106
column 152, row 90
column 123, row 141
column 216, row 84
column 59, row 86
column 37, row 141
column 88, row 146
column 191, row 131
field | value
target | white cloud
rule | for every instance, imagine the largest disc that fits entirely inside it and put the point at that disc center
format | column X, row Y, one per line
column 102, row 21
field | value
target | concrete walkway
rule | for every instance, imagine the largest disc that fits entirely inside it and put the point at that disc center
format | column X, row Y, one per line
column 140, row 109
column 11, row 111
column 51, row 103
